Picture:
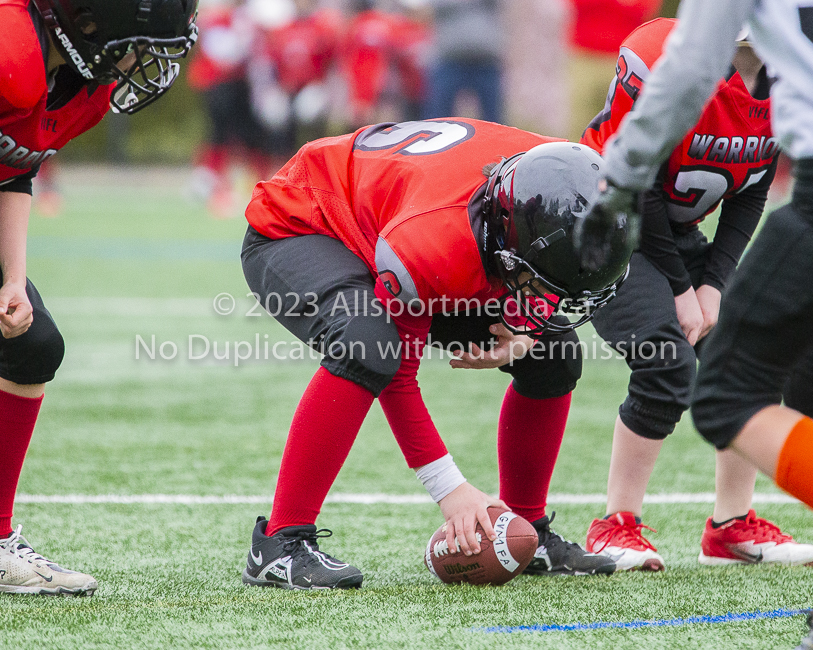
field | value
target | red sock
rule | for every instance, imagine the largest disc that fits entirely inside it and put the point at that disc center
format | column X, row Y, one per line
column 528, row 440
column 323, row 430
column 18, row 416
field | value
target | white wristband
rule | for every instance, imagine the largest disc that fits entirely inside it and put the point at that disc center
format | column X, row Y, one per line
column 440, row 477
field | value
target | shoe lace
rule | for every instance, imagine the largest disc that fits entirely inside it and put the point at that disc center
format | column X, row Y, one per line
column 294, row 543
column 548, row 533
column 624, row 533
column 17, row 545
column 764, row 530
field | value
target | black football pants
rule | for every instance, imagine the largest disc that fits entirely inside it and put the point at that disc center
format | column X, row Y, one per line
column 32, row 357
column 763, row 342
column 328, row 301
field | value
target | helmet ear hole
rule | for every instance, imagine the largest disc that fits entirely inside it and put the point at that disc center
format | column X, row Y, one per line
column 85, row 23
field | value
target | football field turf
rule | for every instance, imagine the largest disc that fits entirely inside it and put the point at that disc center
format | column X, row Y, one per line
column 123, row 265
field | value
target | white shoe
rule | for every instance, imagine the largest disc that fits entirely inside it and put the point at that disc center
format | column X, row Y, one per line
column 22, row 571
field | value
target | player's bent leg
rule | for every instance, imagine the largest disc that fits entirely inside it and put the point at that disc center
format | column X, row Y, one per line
column 291, row 559
column 642, row 325
column 532, row 425
column 23, row 571
column 323, row 293
column 619, row 535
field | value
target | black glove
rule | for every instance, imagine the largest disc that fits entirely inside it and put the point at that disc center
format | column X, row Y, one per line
column 614, row 209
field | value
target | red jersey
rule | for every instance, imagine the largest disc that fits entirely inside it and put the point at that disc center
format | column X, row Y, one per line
column 400, row 196
column 730, row 149
column 29, row 132
column 303, row 50
column 223, row 48
column 383, row 52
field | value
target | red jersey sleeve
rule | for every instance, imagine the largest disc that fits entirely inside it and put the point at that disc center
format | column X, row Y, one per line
column 22, row 69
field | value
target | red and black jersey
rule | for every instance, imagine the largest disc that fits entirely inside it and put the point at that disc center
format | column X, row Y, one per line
column 730, row 149
column 400, row 196
column 30, row 131
column 729, row 156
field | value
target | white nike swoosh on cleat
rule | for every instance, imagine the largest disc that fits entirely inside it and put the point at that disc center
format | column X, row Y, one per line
column 258, row 559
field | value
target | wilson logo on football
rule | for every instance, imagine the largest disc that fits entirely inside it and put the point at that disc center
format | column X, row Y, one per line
column 453, row 569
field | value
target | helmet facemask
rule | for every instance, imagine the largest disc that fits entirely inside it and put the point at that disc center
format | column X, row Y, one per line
column 154, row 69
column 534, row 296
column 143, row 64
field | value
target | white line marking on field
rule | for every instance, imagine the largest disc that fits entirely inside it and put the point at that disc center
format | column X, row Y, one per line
column 364, row 499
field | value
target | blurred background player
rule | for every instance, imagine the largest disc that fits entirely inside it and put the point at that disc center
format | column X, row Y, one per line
column 596, row 31
column 64, row 64
column 290, row 77
column 671, row 300
column 466, row 57
column 764, row 336
column 383, row 61
column 461, row 224
column 218, row 70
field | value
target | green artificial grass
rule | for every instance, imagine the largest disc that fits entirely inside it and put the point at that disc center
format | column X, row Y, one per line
column 141, row 262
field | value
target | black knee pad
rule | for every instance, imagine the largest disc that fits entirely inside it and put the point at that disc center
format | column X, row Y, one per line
column 364, row 349
column 550, row 369
column 660, row 387
column 33, row 357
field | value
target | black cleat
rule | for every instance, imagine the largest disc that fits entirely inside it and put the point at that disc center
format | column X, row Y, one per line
column 291, row 559
column 807, row 642
column 555, row 556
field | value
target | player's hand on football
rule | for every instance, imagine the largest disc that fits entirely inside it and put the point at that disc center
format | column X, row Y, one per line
column 709, row 299
column 614, row 209
column 16, row 314
column 463, row 508
column 690, row 315
column 509, row 347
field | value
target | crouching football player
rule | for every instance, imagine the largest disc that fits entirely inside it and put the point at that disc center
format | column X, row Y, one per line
column 671, row 300
column 424, row 215
column 63, row 62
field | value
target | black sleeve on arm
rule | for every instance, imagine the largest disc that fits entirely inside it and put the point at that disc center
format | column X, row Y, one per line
column 658, row 242
column 21, row 183
column 739, row 217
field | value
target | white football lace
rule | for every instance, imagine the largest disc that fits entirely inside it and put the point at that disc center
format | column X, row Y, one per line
column 17, row 545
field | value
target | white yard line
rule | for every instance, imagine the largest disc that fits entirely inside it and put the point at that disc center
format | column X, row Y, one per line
column 364, row 499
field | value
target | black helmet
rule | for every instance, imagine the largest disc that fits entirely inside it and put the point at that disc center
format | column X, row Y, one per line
column 94, row 35
column 533, row 203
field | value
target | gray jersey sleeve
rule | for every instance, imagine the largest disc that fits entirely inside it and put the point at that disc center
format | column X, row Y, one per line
column 698, row 53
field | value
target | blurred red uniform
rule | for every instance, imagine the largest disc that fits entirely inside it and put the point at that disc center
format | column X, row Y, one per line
column 382, row 58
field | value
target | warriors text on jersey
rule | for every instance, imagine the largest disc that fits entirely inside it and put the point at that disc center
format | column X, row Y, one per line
column 403, row 197
column 31, row 131
column 730, row 149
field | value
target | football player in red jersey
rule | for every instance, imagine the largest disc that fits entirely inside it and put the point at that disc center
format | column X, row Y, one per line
column 64, row 63
column 671, row 301
column 405, row 216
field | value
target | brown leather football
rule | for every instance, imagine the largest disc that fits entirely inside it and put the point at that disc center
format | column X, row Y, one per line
column 498, row 561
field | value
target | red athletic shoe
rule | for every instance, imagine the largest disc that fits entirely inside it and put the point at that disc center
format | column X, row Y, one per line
column 751, row 541
column 620, row 538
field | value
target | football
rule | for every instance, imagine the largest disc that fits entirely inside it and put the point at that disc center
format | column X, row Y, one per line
column 498, row 561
